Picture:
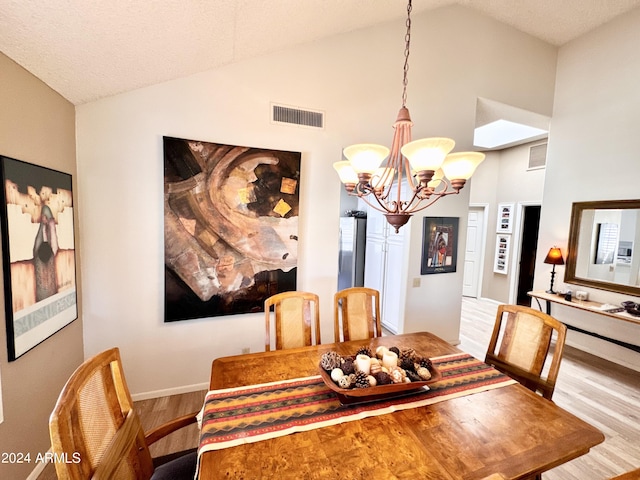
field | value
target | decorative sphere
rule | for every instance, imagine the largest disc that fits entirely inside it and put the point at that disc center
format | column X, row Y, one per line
column 336, row 374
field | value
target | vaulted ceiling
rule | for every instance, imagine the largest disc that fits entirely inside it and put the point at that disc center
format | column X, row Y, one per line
column 86, row 50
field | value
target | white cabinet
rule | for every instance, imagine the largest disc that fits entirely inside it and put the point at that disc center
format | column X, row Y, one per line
column 384, row 259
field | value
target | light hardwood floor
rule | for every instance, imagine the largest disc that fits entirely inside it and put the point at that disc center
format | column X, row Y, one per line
column 602, row 393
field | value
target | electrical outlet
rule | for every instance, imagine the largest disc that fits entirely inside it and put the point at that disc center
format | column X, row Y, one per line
column 246, row 350
column 416, row 282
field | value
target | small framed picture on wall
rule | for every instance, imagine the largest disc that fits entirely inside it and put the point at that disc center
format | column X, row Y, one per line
column 501, row 261
column 505, row 218
column 439, row 245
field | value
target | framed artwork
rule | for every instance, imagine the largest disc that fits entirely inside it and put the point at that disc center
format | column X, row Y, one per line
column 439, row 245
column 38, row 250
column 230, row 227
column 505, row 218
column 501, row 260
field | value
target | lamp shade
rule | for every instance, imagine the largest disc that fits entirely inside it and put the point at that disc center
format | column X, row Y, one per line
column 382, row 177
column 366, row 157
column 554, row 257
column 346, row 172
column 427, row 153
column 460, row 166
column 436, row 180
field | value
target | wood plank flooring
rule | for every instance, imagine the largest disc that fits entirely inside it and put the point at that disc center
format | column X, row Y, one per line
column 602, row 393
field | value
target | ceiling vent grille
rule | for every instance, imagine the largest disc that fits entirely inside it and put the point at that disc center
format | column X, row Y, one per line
column 296, row 116
column 537, row 156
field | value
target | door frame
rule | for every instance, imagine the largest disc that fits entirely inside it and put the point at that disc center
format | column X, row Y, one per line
column 517, row 248
column 483, row 244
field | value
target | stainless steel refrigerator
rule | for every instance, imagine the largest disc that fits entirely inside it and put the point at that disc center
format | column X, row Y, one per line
column 351, row 258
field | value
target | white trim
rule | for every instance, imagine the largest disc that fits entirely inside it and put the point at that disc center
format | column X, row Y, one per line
column 516, row 247
column 170, row 391
column 490, row 300
column 485, row 230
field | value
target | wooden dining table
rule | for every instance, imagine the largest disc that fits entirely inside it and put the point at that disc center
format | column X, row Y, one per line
column 508, row 430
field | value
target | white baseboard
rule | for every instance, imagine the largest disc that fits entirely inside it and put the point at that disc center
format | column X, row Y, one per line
column 490, row 300
column 170, row 391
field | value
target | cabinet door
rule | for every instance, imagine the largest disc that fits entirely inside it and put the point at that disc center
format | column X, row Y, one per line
column 392, row 294
column 374, row 264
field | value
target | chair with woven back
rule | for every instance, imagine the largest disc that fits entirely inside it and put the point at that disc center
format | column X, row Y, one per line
column 296, row 320
column 520, row 346
column 357, row 314
column 95, row 426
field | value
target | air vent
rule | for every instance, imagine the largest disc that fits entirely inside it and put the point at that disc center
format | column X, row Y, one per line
column 538, row 156
column 297, row 116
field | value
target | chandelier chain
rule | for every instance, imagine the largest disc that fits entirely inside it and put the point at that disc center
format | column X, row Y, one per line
column 407, row 44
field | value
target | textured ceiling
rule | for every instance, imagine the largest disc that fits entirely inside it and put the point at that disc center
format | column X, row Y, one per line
column 86, row 49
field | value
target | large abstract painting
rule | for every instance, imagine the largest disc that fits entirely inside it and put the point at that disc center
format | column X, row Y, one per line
column 230, row 226
column 39, row 253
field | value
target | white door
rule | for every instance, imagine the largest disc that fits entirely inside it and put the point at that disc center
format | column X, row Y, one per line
column 391, row 295
column 473, row 253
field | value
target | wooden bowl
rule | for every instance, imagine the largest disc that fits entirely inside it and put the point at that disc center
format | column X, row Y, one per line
column 379, row 391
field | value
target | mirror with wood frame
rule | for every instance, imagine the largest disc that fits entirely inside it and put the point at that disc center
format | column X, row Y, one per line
column 604, row 246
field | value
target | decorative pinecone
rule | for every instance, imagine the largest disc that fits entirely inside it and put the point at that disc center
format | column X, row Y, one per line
column 409, row 353
column 395, row 350
column 330, row 360
column 425, row 362
column 361, row 380
column 364, row 351
column 347, row 366
column 406, row 364
column 382, row 378
column 413, row 376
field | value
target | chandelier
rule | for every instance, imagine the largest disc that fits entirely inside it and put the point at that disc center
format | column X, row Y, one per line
column 430, row 171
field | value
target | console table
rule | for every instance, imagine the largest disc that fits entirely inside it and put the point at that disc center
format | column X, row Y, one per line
column 587, row 306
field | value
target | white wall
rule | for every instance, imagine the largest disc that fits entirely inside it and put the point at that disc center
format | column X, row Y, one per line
column 504, row 177
column 593, row 155
column 457, row 55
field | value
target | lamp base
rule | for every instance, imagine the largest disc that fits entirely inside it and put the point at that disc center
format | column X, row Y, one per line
column 553, row 274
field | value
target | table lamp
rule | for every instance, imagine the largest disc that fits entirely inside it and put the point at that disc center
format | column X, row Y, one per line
column 554, row 257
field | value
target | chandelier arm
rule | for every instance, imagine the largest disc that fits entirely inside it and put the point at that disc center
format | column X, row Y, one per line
column 434, row 199
column 381, row 207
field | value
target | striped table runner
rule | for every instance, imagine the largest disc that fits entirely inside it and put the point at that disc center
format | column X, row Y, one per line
column 234, row 416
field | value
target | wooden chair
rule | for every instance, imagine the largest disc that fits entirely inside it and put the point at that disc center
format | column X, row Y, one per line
column 357, row 314
column 295, row 313
column 525, row 338
column 94, row 425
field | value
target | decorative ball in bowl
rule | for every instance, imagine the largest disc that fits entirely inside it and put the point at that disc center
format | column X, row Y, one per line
column 380, row 372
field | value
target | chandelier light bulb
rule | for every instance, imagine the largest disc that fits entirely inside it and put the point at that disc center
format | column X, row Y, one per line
column 460, row 166
column 366, row 157
column 427, row 153
column 346, row 172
